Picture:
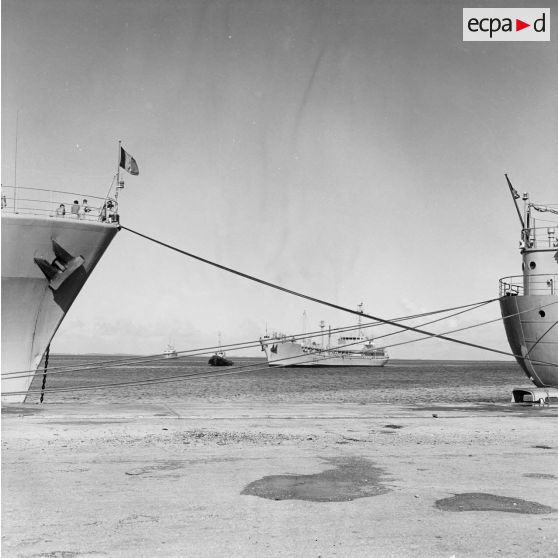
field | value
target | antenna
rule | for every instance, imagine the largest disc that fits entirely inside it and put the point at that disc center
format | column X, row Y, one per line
column 15, row 162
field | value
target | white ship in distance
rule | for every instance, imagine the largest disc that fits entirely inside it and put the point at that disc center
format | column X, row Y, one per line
column 350, row 350
column 170, row 351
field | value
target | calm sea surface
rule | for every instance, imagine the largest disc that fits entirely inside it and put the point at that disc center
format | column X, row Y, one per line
column 400, row 381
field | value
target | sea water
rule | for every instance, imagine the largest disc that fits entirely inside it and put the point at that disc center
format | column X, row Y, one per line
column 251, row 379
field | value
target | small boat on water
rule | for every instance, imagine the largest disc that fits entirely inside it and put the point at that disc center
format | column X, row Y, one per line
column 220, row 358
column 529, row 302
column 170, row 351
column 351, row 350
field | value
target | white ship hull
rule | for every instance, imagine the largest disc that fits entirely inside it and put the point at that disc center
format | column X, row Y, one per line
column 39, row 285
column 533, row 336
column 289, row 353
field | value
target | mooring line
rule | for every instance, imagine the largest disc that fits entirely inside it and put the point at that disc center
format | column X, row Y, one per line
column 317, row 300
column 202, row 351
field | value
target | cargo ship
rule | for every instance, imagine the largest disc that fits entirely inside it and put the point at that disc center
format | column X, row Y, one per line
column 529, row 302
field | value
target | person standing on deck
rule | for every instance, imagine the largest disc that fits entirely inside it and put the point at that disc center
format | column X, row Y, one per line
column 74, row 210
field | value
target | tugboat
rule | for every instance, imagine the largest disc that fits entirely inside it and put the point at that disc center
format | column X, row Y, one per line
column 351, row 350
column 529, row 302
column 220, row 358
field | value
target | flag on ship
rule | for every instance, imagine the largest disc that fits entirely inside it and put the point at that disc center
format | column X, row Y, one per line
column 515, row 193
column 128, row 163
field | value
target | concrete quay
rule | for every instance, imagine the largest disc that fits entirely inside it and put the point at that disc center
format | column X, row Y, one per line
column 276, row 479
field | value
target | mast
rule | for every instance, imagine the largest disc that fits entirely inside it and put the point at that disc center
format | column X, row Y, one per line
column 15, row 160
column 527, row 213
column 360, row 307
column 515, row 196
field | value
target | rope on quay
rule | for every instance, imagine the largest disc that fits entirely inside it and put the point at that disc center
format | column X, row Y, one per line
column 95, row 365
column 320, row 301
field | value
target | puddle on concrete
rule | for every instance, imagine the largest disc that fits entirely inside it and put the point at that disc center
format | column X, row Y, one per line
column 540, row 476
column 480, row 501
column 350, row 479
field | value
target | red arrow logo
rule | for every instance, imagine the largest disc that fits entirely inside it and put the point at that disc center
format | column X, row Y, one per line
column 519, row 25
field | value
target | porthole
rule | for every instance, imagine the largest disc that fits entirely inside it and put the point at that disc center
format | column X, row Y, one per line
column 532, row 265
column 542, row 313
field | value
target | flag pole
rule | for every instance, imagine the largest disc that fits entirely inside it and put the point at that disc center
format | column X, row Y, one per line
column 118, row 169
column 512, row 190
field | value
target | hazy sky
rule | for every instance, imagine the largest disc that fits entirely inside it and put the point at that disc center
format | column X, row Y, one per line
column 351, row 150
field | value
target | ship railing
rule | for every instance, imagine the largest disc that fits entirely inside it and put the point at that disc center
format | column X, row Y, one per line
column 58, row 204
column 540, row 237
column 536, row 284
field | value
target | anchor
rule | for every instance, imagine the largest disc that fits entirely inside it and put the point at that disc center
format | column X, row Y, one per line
column 63, row 265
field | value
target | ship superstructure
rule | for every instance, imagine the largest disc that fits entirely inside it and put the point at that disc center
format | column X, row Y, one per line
column 529, row 302
column 351, row 350
column 51, row 242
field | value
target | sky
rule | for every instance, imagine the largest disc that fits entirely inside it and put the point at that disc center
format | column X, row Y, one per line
column 352, row 151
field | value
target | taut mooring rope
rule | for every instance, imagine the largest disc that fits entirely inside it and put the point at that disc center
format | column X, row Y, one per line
column 314, row 299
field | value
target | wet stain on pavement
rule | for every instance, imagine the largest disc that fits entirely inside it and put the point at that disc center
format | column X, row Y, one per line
column 57, row 554
column 350, row 479
column 480, row 501
column 23, row 410
column 540, row 476
column 164, row 467
column 87, row 422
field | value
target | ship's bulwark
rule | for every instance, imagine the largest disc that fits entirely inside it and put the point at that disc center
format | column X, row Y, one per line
column 532, row 333
column 32, row 305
